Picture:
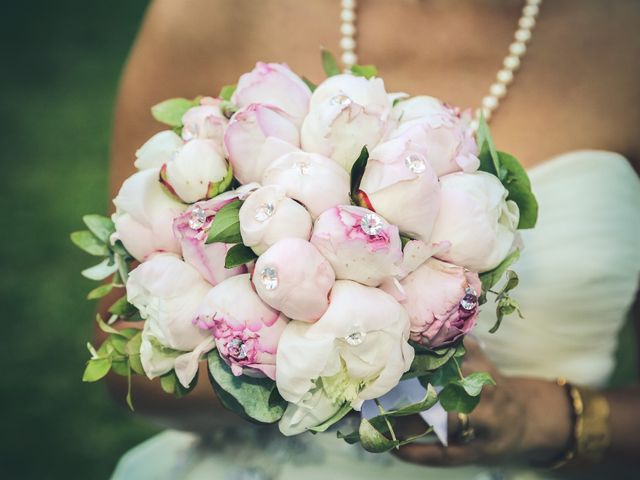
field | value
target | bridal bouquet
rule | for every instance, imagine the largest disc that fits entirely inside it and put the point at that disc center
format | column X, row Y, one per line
column 317, row 245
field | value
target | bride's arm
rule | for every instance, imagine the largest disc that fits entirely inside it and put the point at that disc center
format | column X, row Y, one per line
column 177, row 53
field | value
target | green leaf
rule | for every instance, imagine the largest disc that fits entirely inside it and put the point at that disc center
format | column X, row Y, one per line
column 506, row 306
column 372, row 439
column 99, row 292
column 427, row 362
column 517, row 183
column 490, row 278
column 132, row 349
column 250, row 396
column 88, row 242
column 454, row 398
column 170, row 111
column 366, row 71
column 474, row 382
column 225, row 227
column 168, row 382
column 239, row 255
column 312, row 86
column 100, row 271
column 223, row 185
column 227, row 91
column 120, row 366
column 442, row 376
column 102, row 227
column 329, row 63
column 339, row 415
column 122, row 308
column 489, row 160
column 429, row 400
column 357, row 172
column 96, row 369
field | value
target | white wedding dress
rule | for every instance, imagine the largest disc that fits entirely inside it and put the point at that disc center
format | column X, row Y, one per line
column 578, row 276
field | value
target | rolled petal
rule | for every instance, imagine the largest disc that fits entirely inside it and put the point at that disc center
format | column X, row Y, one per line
column 476, row 219
column 293, row 277
column 245, row 138
column 307, row 414
column 267, row 216
column 359, row 244
column 158, row 150
column 317, row 182
column 274, row 84
column 245, row 329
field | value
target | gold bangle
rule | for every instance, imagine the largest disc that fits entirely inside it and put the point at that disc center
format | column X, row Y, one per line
column 590, row 426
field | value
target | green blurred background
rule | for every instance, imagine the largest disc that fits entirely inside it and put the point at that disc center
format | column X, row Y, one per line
column 60, row 67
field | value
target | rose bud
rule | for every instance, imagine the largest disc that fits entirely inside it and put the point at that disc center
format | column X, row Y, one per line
column 268, row 215
column 477, row 219
column 360, row 245
column 205, row 121
column 402, row 187
column 442, row 302
column 192, row 229
column 158, row 150
column 197, row 171
column 246, row 140
column 347, row 113
column 246, row 330
column 274, row 84
column 317, row 182
column 294, row 278
column 144, row 216
column 168, row 292
column 444, row 137
column 421, row 106
column 358, row 350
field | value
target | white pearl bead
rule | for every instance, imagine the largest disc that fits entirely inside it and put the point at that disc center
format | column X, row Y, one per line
column 517, row 48
column 505, row 76
column 498, row 90
column 348, row 29
column 347, row 43
column 527, row 22
column 534, row 2
column 347, row 15
column 349, row 4
column 490, row 102
column 530, row 10
column 511, row 62
column 349, row 58
column 523, row 35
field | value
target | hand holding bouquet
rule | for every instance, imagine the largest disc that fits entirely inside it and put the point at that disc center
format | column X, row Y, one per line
column 316, row 245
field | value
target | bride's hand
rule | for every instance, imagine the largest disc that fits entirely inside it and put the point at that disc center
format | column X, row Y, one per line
column 518, row 419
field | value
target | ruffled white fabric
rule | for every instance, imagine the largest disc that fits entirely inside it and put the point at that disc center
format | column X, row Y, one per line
column 578, row 276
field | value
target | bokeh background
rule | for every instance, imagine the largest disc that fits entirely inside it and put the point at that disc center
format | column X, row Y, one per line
column 58, row 79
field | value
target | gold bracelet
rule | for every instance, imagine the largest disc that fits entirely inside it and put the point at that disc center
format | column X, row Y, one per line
column 590, row 426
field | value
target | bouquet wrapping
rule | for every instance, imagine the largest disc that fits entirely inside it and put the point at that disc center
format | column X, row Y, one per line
column 317, row 246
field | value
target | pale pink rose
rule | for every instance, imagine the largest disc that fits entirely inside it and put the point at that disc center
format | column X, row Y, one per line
column 196, row 171
column 420, row 106
column 192, row 229
column 476, row 219
column 317, row 182
column 359, row 350
column 168, row 292
column 246, row 139
column 442, row 302
column 144, row 215
column 444, row 136
column 245, row 329
column 347, row 113
column 158, row 150
column 359, row 244
column 402, row 187
column 294, row 278
column 204, row 121
column 274, row 84
column 268, row 215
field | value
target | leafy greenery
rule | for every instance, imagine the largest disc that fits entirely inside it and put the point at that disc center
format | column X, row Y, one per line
column 490, row 278
column 329, row 63
column 357, row 172
column 223, row 185
column 239, row 255
column 366, row 71
column 312, row 86
column 227, row 92
column 225, row 227
column 170, row 111
column 253, row 398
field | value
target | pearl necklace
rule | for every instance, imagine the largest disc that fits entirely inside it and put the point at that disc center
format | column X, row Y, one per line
column 504, row 77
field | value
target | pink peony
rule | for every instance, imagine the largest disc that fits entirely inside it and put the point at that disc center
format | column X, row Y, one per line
column 205, row 121
column 246, row 330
